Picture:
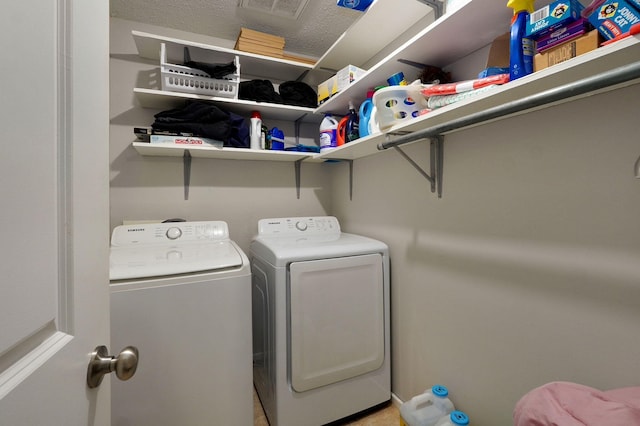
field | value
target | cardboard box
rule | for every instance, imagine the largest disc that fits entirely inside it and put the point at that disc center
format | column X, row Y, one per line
column 553, row 16
column 338, row 82
column 635, row 3
column 566, row 51
column 184, row 141
column 562, row 35
column 614, row 18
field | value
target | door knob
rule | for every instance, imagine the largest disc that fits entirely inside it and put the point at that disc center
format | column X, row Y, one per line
column 101, row 363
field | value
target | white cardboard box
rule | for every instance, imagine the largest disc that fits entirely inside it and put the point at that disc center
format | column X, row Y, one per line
column 184, row 141
column 338, row 82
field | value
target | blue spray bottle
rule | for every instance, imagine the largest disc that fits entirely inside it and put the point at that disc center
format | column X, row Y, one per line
column 520, row 47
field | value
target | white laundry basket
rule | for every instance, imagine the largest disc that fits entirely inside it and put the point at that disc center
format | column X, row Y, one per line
column 397, row 104
column 180, row 78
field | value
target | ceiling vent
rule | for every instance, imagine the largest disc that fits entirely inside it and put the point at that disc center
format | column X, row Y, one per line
column 283, row 8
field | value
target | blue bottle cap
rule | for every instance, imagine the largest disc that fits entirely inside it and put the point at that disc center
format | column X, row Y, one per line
column 440, row 390
column 459, row 418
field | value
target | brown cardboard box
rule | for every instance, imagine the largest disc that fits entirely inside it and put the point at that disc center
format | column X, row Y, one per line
column 566, row 51
column 499, row 52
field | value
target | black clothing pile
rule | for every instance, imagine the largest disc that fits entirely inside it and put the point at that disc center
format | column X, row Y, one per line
column 298, row 93
column 217, row 71
column 291, row 93
column 206, row 120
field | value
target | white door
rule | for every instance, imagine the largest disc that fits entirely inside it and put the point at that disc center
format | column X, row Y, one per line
column 54, row 191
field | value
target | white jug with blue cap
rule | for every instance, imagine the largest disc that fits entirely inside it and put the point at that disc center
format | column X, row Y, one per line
column 427, row 408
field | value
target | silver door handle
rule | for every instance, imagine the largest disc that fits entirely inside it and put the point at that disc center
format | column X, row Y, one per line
column 124, row 364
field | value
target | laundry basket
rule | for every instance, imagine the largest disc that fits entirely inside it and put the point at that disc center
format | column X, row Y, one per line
column 179, row 78
column 397, row 104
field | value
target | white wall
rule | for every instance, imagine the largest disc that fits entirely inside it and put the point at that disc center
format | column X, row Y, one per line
column 238, row 192
column 526, row 271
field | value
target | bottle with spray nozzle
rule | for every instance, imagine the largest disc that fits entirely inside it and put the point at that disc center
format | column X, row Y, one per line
column 520, row 47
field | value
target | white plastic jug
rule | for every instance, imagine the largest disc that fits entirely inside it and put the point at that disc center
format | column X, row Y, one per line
column 427, row 408
column 255, row 130
column 455, row 418
column 328, row 133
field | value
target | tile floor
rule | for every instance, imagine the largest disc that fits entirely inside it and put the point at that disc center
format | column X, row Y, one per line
column 387, row 415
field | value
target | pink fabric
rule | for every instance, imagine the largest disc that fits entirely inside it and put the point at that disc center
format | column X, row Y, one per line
column 571, row 404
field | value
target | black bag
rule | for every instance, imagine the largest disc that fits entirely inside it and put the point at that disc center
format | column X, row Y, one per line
column 259, row 91
column 298, row 93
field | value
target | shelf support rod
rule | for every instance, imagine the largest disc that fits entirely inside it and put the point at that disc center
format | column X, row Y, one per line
column 436, row 158
column 186, row 165
column 618, row 75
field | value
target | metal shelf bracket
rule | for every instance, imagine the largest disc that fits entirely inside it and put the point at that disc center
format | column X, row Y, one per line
column 186, row 164
column 436, row 159
column 438, row 7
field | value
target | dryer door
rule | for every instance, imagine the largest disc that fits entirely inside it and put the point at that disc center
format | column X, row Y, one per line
column 336, row 322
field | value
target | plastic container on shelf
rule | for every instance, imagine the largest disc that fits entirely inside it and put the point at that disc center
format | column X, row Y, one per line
column 328, row 133
column 255, row 131
column 521, row 49
column 277, row 139
column 352, row 131
column 455, row 418
column 366, row 108
column 179, row 78
column 342, row 131
column 427, row 408
column 397, row 104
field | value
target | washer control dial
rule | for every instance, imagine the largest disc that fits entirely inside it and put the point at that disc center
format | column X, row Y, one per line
column 174, row 233
column 301, row 226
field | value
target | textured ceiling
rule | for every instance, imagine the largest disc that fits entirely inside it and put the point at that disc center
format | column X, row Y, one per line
column 318, row 27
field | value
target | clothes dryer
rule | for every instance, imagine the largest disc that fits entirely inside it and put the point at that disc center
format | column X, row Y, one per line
column 181, row 293
column 320, row 320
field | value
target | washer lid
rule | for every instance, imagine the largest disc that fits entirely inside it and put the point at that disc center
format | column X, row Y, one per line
column 157, row 249
column 145, row 261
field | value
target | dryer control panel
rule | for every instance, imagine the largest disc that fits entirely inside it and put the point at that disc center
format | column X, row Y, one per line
column 319, row 225
column 162, row 233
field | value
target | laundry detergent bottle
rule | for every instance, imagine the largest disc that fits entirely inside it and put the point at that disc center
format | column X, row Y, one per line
column 342, row 131
column 520, row 47
column 366, row 108
column 353, row 124
column 328, row 133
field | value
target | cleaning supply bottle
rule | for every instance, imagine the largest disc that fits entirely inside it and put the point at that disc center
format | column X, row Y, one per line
column 427, row 408
column 365, row 114
column 342, row 131
column 353, row 124
column 277, row 139
column 255, row 130
column 328, row 133
column 520, row 47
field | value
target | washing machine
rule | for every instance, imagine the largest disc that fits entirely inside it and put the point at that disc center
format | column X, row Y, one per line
column 320, row 321
column 181, row 293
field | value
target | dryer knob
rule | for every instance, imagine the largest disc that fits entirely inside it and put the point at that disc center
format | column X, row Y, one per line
column 302, row 226
column 174, row 233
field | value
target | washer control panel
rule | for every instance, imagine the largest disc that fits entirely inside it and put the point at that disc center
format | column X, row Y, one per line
column 319, row 225
column 155, row 233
